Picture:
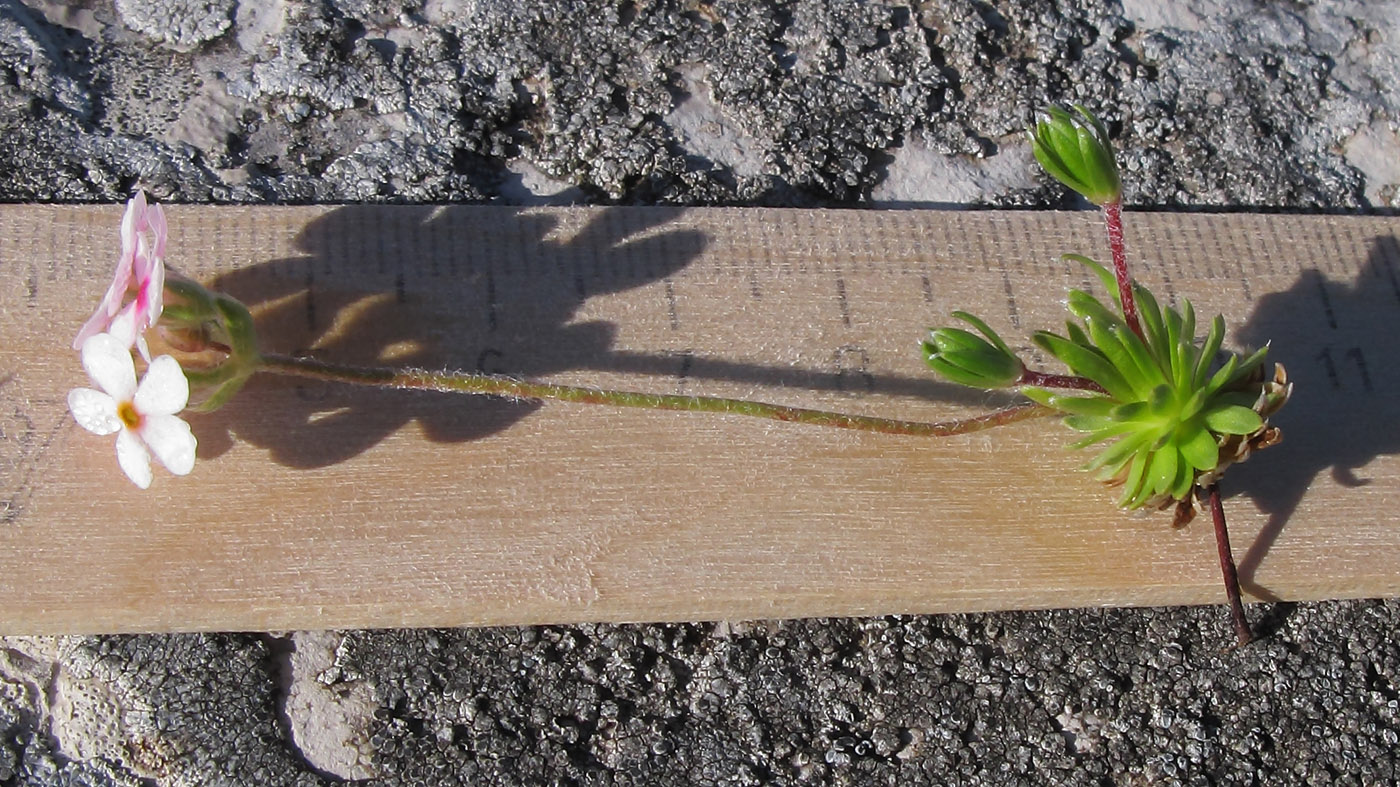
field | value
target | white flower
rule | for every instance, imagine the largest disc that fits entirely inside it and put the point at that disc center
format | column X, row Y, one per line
column 142, row 416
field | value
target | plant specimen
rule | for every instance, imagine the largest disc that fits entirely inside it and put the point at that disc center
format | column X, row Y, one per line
column 1167, row 411
column 1168, row 414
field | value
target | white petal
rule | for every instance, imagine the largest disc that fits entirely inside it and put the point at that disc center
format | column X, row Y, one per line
column 143, row 348
column 134, row 460
column 169, row 438
column 164, row 390
column 94, row 411
column 108, row 363
column 123, row 326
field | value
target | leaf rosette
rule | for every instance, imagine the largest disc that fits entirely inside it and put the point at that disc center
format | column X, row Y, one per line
column 1171, row 416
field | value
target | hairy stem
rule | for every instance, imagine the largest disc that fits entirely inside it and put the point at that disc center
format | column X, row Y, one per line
column 1113, row 219
column 494, row 385
column 1046, row 380
column 1227, row 563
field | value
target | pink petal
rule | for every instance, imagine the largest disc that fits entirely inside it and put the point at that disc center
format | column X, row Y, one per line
column 108, row 362
column 164, row 390
column 94, row 411
column 148, row 294
column 169, row 438
column 134, row 459
column 159, row 229
column 111, row 303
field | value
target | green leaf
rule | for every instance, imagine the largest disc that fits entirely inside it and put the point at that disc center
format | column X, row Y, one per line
column 1099, row 435
column 1134, row 412
column 1199, row 448
column 1151, row 316
column 1111, row 459
column 1185, row 479
column 1085, row 362
column 1077, row 334
column 985, row 330
column 1137, row 472
column 1110, row 284
column 956, row 340
column 1039, row 395
column 1161, row 474
column 1248, row 365
column 1120, row 345
column 1233, row 419
column 1214, row 337
column 1083, row 405
column 1222, row 375
column 955, row 374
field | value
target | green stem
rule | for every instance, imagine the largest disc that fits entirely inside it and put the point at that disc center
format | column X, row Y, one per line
column 493, row 385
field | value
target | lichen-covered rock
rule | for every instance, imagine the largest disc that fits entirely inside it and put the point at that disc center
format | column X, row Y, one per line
column 794, row 103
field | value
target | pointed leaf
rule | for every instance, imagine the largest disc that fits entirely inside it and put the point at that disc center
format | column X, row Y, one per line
column 1086, row 363
column 1214, row 337
column 985, row 330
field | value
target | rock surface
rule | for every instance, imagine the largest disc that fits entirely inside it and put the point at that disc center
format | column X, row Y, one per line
column 797, row 103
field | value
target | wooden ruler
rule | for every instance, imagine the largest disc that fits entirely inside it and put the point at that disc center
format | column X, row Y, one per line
column 323, row 506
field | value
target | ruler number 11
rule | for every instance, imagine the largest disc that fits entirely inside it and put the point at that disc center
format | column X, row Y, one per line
column 1351, row 357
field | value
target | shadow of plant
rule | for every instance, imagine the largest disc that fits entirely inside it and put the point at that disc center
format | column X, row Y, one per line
column 476, row 290
column 432, row 287
column 1344, row 409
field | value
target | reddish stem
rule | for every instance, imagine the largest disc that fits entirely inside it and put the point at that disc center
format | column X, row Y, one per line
column 1044, row 380
column 1227, row 564
column 1113, row 218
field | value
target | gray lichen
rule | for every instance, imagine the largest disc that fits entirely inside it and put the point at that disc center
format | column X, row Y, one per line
column 289, row 101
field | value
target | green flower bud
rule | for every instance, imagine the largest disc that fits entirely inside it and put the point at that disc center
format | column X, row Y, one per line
column 211, row 335
column 1077, row 152
column 968, row 359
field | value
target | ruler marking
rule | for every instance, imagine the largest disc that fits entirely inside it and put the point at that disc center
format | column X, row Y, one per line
column 1388, row 249
column 1326, row 300
column 687, row 363
column 841, row 301
column 671, row 312
column 492, row 321
column 1014, row 312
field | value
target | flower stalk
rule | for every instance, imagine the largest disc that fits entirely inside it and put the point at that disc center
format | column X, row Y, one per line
column 1211, row 496
column 1113, row 221
column 512, row 388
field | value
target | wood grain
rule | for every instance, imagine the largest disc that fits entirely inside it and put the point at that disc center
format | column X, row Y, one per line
column 318, row 506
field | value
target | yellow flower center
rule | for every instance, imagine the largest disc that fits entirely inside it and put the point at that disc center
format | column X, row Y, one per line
column 127, row 412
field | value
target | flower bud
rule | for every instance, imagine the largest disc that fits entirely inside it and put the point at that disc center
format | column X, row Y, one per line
column 968, row 359
column 1075, row 149
column 212, row 337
